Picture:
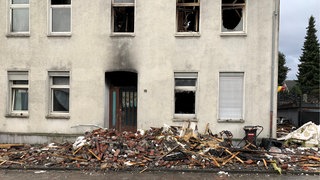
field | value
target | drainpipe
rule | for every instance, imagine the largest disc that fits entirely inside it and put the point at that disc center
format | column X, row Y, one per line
column 275, row 19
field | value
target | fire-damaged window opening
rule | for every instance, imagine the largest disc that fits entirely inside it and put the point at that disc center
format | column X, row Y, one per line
column 233, row 15
column 123, row 16
column 185, row 95
column 188, row 15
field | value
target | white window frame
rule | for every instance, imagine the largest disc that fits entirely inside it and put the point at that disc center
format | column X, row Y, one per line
column 227, row 90
column 225, row 31
column 186, row 33
column 66, row 6
column 11, row 8
column 17, row 76
column 186, row 75
column 115, row 4
column 52, row 87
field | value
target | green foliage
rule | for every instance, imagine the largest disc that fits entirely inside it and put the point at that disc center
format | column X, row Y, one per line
column 282, row 69
column 295, row 90
column 308, row 75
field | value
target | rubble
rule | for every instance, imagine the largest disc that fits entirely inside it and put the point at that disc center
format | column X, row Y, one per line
column 169, row 147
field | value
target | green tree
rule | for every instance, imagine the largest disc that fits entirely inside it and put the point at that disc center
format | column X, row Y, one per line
column 308, row 75
column 282, row 69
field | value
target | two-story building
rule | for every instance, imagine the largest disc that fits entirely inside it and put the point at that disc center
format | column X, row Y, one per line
column 68, row 65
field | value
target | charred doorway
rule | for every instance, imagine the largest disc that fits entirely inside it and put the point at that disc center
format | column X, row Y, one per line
column 123, row 100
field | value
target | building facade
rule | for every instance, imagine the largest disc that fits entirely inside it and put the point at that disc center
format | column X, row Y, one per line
column 67, row 65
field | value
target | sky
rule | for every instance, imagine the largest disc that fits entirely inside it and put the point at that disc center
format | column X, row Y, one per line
column 294, row 19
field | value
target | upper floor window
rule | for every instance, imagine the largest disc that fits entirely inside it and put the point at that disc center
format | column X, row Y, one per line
column 60, row 17
column 123, row 16
column 185, row 95
column 188, row 12
column 19, row 16
column 18, row 92
column 233, row 15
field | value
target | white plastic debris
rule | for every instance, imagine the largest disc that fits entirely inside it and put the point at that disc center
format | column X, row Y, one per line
column 309, row 132
column 223, row 173
column 80, row 141
column 38, row 172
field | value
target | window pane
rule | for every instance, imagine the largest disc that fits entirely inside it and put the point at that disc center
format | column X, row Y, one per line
column 185, row 82
column 123, row 1
column 123, row 19
column 188, row 19
column 20, row 20
column 60, row 81
column 20, row 82
column 188, row 1
column 20, row 99
column 61, row 20
column 57, row 2
column 20, row 1
column 184, row 102
column 61, row 100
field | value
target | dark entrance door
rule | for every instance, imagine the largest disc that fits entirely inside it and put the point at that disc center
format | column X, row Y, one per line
column 122, row 100
column 123, row 108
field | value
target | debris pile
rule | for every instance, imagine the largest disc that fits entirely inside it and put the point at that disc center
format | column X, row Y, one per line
column 156, row 148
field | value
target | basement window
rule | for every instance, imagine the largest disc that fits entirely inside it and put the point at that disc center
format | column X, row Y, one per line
column 233, row 15
column 185, row 95
column 123, row 16
column 188, row 15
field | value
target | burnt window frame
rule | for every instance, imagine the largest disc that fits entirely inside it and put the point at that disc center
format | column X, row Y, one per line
column 190, row 88
column 179, row 27
column 122, row 5
column 243, row 6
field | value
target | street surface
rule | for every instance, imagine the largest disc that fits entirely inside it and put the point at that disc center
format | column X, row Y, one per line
column 83, row 175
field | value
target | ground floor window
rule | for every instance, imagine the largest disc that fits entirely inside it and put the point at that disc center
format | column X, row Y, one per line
column 18, row 92
column 59, row 92
column 231, row 96
column 185, row 95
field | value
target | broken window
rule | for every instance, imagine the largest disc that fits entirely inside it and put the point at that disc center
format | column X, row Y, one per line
column 18, row 83
column 19, row 16
column 233, row 13
column 188, row 15
column 231, row 96
column 123, row 16
column 59, row 92
column 60, row 16
column 185, row 94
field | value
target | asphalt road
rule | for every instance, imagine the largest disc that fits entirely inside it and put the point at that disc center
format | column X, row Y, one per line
column 89, row 175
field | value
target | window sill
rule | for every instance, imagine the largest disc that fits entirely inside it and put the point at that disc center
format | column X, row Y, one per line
column 123, row 34
column 27, row 34
column 17, row 115
column 230, row 120
column 187, row 34
column 57, row 116
column 185, row 120
column 67, row 34
column 240, row 33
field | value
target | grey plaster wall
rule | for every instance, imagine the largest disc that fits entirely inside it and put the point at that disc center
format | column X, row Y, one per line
column 154, row 52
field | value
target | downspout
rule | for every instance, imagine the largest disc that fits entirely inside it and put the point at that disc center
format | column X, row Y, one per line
column 275, row 19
